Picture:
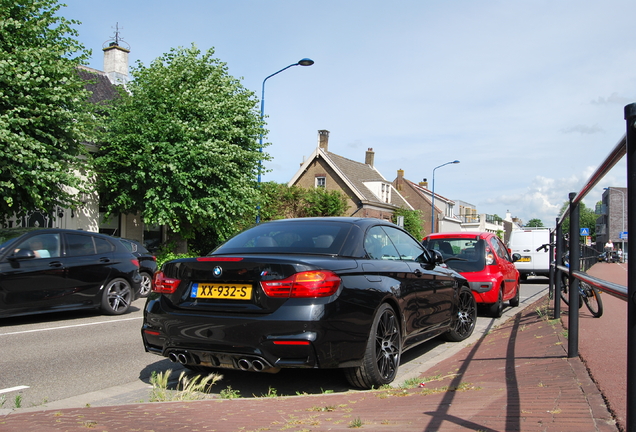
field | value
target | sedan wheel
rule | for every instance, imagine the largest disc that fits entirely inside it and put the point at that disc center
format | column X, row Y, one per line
column 496, row 309
column 382, row 355
column 117, row 297
column 466, row 317
column 514, row 302
column 146, row 284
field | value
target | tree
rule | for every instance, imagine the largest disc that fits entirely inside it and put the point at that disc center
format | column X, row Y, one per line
column 534, row 223
column 282, row 201
column 587, row 219
column 44, row 109
column 412, row 221
column 180, row 146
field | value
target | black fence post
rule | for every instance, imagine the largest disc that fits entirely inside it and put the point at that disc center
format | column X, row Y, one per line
column 557, row 273
column 630, row 135
column 574, row 297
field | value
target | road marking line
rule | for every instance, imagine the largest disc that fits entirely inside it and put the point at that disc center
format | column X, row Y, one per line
column 10, row 389
column 70, row 326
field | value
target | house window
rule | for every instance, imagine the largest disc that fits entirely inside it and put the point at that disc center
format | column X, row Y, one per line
column 321, row 182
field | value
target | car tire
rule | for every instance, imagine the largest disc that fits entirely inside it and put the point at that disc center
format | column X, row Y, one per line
column 466, row 317
column 382, row 354
column 117, row 297
column 496, row 309
column 146, row 284
column 514, row 302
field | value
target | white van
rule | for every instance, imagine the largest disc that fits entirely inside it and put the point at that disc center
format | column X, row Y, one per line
column 525, row 242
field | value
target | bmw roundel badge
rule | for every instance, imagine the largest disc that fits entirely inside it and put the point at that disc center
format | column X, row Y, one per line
column 217, row 271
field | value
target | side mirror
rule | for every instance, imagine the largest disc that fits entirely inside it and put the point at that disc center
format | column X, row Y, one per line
column 516, row 257
column 22, row 254
column 434, row 258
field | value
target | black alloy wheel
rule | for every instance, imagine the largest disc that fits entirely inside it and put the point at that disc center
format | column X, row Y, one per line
column 382, row 355
column 466, row 317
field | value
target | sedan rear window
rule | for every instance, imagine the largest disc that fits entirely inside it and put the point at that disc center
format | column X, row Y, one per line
column 315, row 237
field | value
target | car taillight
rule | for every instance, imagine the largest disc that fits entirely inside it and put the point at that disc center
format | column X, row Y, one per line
column 135, row 262
column 320, row 283
column 164, row 285
column 490, row 258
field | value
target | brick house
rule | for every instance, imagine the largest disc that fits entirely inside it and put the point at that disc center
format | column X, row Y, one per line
column 420, row 198
column 368, row 193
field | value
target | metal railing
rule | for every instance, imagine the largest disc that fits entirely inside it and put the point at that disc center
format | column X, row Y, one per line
column 626, row 146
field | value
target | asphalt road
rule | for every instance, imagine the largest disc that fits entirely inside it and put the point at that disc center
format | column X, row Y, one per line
column 83, row 358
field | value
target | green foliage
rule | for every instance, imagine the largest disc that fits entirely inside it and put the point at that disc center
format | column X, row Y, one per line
column 321, row 202
column 182, row 146
column 412, row 221
column 44, row 109
column 281, row 201
column 534, row 223
column 587, row 219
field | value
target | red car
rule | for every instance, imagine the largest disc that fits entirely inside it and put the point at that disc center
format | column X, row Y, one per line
column 483, row 259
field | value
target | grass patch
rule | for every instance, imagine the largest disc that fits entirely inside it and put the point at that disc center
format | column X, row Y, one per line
column 188, row 388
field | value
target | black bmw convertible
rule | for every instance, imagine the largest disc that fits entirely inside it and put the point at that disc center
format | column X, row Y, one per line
column 349, row 293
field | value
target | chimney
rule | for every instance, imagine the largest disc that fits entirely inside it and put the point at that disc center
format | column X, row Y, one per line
column 116, row 63
column 369, row 156
column 323, row 139
column 400, row 180
column 424, row 183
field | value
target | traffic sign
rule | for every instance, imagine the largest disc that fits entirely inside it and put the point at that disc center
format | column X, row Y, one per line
column 623, row 235
column 585, row 232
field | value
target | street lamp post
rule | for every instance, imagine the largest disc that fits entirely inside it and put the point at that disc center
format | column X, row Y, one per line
column 433, row 195
column 302, row 62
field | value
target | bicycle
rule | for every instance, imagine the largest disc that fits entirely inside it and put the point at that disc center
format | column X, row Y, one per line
column 588, row 294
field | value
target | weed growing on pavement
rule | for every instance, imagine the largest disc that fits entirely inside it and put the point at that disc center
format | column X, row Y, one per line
column 328, row 408
column 188, row 388
column 357, row 423
column 325, row 391
column 17, row 401
column 3, row 399
column 272, row 393
column 229, row 393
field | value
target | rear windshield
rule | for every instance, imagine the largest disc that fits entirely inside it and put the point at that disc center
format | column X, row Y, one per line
column 315, row 237
column 467, row 255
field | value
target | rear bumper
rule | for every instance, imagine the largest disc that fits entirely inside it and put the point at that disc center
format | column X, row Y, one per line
column 308, row 336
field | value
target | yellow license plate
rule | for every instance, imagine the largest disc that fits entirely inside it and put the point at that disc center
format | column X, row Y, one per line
column 525, row 259
column 222, row 291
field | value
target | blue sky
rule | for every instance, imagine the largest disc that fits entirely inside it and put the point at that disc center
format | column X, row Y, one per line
column 528, row 95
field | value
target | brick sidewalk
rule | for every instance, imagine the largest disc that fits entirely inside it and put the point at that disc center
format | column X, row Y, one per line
column 517, row 377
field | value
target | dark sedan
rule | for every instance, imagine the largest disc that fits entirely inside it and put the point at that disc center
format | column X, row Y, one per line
column 346, row 293
column 46, row 270
column 147, row 264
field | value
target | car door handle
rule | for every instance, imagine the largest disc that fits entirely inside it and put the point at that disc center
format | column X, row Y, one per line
column 55, row 264
column 104, row 259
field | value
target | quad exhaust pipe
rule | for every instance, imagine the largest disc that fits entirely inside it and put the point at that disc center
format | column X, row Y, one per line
column 253, row 364
column 178, row 357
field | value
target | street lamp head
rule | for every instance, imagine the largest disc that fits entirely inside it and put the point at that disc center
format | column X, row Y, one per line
column 455, row 161
column 306, row 62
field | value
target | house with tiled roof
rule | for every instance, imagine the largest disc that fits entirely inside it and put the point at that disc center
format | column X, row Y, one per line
column 420, row 197
column 368, row 193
